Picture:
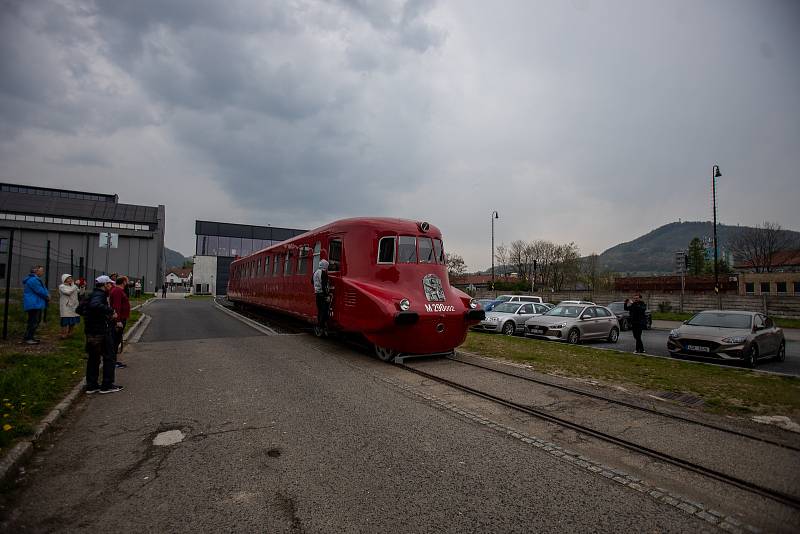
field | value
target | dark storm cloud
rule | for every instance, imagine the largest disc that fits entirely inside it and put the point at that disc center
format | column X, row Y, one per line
column 605, row 116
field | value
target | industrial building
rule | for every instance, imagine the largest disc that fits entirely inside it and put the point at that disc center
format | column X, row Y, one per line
column 81, row 233
column 218, row 243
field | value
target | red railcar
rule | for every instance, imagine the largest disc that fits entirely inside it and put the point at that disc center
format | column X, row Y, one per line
column 388, row 282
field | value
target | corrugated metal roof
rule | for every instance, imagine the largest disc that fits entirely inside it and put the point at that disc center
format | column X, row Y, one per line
column 76, row 208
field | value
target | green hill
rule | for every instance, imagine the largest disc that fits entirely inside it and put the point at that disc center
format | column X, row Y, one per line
column 655, row 252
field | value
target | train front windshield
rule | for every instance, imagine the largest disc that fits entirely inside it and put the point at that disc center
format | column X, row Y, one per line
column 410, row 249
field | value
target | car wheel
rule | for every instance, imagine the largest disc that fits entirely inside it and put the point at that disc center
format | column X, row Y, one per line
column 509, row 328
column 751, row 359
column 781, row 357
column 384, row 354
column 624, row 325
column 613, row 336
column 649, row 323
column 574, row 337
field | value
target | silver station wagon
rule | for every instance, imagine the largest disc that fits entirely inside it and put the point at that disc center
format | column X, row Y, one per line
column 509, row 317
column 728, row 335
column 574, row 323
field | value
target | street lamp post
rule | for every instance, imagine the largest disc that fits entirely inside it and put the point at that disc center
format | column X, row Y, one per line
column 714, row 175
column 494, row 216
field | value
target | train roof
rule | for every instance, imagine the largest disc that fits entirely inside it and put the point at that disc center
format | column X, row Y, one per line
column 383, row 223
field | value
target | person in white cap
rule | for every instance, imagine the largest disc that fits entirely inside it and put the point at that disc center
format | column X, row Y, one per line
column 67, row 304
column 99, row 316
column 320, row 279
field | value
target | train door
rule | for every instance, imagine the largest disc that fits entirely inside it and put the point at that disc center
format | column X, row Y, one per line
column 335, row 270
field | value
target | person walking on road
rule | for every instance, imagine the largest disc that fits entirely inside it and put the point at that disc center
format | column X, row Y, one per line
column 122, row 306
column 320, row 280
column 98, row 315
column 636, row 308
column 68, row 294
column 34, row 300
column 137, row 289
column 164, row 291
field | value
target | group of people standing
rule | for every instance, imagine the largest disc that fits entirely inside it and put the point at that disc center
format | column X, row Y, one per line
column 105, row 310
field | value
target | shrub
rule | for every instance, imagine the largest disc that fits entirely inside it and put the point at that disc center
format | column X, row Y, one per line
column 665, row 307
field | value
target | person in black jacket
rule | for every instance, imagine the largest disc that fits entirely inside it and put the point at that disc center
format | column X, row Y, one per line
column 99, row 317
column 636, row 309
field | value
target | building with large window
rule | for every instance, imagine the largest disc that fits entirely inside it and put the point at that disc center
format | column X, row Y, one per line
column 217, row 244
column 80, row 233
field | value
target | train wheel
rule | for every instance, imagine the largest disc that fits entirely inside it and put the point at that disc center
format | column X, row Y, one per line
column 384, row 354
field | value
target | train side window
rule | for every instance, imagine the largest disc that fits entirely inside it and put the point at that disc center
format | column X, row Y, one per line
column 315, row 263
column 335, row 255
column 258, row 268
column 302, row 259
column 266, row 265
column 438, row 250
column 276, row 265
column 407, row 249
column 386, row 250
column 426, row 250
column 287, row 265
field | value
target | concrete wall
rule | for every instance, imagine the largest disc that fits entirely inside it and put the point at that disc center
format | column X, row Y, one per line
column 204, row 275
column 140, row 254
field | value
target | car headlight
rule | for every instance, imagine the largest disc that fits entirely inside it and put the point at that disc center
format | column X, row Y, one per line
column 494, row 319
column 405, row 304
column 473, row 303
column 559, row 325
column 674, row 334
column 734, row 340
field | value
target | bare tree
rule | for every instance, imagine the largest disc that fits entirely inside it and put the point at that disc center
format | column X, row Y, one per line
column 455, row 265
column 591, row 271
column 757, row 247
column 501, row 256
column 517, row 256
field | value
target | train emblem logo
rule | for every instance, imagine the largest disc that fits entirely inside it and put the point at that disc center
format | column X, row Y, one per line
column 433, row 288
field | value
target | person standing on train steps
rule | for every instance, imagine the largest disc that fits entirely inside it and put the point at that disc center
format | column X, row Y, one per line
column 637, row 310
column 320, row 279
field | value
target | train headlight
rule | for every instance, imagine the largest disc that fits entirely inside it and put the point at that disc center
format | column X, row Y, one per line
column 473, row 304
column 405, row 304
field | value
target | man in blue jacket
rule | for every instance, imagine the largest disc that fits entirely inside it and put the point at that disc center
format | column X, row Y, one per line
column 34, row 300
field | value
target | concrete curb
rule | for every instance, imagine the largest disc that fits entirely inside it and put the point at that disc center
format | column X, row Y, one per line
column 249, row 322
column 11, row 463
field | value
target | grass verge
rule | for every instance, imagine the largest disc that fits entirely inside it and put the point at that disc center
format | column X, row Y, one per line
column 724, row 390
column 34, row 378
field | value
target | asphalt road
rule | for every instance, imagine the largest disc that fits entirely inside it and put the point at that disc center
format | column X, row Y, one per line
column 655, row 342
column 289, row 434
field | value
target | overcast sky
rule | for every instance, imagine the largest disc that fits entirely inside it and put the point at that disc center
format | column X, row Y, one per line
column 577, row 120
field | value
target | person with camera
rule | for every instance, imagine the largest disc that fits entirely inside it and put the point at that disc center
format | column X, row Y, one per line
column 636, row 309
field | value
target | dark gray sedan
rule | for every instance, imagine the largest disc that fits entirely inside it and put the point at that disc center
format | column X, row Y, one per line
column 729, row 335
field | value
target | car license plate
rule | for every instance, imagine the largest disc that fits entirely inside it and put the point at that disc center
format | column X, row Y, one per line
column 541, row 329
column 697, row 348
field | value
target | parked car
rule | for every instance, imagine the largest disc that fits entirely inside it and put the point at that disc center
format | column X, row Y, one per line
column 729, row 335
column 519, row 298
column 624, row 317
column 509, row 317
column 577, row 302
column 575, row 323
column 488, row 304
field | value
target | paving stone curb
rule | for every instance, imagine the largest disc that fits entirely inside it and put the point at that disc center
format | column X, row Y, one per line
column 12, row 462
column 686, row 505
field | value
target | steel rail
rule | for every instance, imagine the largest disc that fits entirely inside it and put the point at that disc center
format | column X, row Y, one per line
column 630, row 405
column 783, row 498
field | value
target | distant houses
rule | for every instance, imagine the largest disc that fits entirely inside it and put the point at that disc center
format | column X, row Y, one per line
column 178, row 277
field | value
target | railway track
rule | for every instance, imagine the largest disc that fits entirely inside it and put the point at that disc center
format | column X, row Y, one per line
column 290, row 325
column 769, row 493
column 630, row 405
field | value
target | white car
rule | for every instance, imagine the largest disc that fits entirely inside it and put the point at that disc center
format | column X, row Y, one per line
column 520, row 298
